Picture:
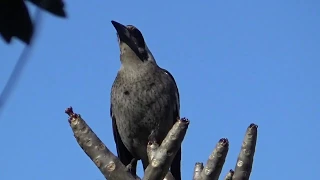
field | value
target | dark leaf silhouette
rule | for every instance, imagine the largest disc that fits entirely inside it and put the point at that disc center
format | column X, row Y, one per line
column 15, row 20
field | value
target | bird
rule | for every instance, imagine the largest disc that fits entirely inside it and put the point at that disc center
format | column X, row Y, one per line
column 15, row 19
column 144, row 101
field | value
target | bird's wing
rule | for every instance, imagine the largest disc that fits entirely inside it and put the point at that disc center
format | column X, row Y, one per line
column 176, row 163
column 176, row 96
column 123, row 153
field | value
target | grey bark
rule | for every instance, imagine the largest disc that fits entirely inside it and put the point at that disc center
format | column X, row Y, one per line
column 216, row 160
column 229, row 175
column 245, row 159
column 111, row 167
column 163, row 156
column 160, row 156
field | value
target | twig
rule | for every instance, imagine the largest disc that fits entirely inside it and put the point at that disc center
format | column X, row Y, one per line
column 245, row 159
column 151, row 150
column 164, row 154
column 197, row 171
column 216, row 160
column 109, row 165
column 229, row 175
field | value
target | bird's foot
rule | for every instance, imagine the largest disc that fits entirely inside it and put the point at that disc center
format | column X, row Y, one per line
column 129, row 166
column 152, row 136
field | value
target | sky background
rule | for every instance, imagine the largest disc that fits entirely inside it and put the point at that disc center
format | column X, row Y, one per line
column 235, row 62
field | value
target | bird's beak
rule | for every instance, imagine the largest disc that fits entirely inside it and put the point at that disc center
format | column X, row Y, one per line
column 122, row 31
column 125, row 37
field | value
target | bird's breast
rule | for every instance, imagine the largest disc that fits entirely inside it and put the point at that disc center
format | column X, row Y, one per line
column 142, row 104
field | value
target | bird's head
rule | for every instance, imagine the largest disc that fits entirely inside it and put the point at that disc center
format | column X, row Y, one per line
column 131, row 43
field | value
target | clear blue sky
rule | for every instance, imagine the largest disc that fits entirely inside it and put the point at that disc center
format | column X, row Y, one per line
column 234, row 62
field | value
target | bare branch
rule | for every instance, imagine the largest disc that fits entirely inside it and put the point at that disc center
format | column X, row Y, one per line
column 229, row 175
column 163, row 156
column 169, row 176
column 160, row 157
column 151, row 150
column 216, row 160
column 197, row 171
column 245, row 159
column 109, row 165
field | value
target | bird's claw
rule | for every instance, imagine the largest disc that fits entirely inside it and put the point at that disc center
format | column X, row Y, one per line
column 129, row 166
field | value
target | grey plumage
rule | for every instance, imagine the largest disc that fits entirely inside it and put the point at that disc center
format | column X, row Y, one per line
column 144, row 100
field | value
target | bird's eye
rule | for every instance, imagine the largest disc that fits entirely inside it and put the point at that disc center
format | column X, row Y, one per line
column 138, row 36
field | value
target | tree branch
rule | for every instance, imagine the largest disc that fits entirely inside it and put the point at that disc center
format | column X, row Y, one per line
column 163, row 155
column 229, row 175
column 216, row 160
column 197, row 171
column 152, row 150
column 214, row 165
column 160, row 157
column 109, row 165
column 245, row 159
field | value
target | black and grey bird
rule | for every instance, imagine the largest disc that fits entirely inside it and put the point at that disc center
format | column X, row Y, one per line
column 144, row 101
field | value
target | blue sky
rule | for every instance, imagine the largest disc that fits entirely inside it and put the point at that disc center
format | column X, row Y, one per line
column 235, row 62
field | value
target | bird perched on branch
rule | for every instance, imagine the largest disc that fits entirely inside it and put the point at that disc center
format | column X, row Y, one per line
column 15, row 19
column 144, row 101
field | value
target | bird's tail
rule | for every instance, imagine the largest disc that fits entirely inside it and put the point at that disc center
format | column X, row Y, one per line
column 176, row 166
